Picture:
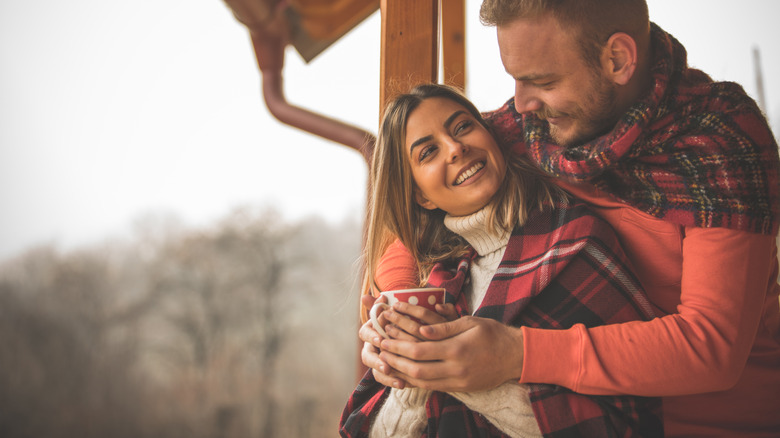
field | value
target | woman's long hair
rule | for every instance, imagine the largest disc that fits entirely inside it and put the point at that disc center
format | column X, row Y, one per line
column 394, row 213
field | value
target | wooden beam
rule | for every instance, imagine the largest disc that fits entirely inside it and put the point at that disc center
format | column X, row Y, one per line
column 331, row 19
column 453, row 42
column 409, row 51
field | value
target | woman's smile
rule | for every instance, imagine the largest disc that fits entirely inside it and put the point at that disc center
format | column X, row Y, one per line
column 470, row 172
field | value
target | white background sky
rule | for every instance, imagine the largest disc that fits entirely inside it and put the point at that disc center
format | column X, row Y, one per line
column 110, row 111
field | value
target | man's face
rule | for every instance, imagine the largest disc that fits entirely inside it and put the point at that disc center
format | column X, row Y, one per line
column 553, row 80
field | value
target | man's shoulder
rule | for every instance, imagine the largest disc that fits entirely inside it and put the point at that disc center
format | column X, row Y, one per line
column 698, row 96
column 708, row 118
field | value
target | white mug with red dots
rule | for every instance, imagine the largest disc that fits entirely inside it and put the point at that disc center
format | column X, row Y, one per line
column 427, row 297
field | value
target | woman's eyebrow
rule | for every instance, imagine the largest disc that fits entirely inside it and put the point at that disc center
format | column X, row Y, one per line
column 451, row 118
column 420, row 141
column 447, row 124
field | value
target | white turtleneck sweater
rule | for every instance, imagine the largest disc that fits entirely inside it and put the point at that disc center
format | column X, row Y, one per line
column 507, row 406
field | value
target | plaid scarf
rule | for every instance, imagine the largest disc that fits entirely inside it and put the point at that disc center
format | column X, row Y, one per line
column 692, row 152
column 563, row 267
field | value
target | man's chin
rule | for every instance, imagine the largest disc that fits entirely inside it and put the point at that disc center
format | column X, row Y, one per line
column 562, row 138
column 571, row 137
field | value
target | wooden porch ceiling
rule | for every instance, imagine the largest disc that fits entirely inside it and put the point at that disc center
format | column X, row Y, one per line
column 411, row 41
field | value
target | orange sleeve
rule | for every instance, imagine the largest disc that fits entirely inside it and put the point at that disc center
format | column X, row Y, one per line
column 701, row 348
column 397, row 269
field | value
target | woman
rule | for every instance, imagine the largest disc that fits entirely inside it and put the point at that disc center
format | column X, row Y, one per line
column 507, row 245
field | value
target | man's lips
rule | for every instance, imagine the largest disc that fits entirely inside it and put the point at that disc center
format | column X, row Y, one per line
column 550, row 117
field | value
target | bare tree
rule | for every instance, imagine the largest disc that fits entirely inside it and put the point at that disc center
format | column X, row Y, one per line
column 66, row 370
column 228, row 331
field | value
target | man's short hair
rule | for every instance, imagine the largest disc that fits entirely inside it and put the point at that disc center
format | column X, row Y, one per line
column 593, row 21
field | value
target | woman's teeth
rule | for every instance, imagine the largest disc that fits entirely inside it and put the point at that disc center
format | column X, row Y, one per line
column 469, row 173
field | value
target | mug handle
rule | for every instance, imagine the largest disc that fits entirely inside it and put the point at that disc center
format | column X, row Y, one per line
column 373, row 314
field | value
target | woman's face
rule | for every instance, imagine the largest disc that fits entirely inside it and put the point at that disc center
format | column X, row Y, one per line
column 456, row 163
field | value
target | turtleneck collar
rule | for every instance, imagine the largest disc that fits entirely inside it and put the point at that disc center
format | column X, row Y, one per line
column 474, row 229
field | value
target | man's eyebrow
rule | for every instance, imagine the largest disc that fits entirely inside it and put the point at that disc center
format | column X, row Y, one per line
column 447, row 124
column 533, row 77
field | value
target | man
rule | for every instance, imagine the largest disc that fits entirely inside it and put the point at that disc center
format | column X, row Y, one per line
column 685, row 170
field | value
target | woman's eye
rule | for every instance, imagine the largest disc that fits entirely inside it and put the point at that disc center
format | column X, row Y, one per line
column 463, row 126
column 425, row 153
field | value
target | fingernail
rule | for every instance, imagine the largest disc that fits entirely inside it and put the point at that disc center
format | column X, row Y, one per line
column 383, row 369
column 396, row 384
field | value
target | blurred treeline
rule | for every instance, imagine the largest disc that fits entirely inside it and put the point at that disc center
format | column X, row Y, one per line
column 244, row 329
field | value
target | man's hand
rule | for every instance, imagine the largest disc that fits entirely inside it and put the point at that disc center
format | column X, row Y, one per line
column 468, row 354
column 407, row 320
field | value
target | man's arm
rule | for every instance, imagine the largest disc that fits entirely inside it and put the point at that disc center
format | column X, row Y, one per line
column 726, row 275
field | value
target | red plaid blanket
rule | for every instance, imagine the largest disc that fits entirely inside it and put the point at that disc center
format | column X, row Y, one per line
column 563, row 267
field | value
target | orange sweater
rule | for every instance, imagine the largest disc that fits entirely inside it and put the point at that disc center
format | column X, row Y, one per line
column 719, row 341
column 714, row 357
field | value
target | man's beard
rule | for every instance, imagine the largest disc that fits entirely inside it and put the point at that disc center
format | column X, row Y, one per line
column 594, row 120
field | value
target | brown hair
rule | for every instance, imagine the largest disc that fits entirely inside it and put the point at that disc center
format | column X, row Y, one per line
column 393, row 211
column 592, row 21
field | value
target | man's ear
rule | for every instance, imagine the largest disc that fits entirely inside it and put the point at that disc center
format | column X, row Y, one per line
column 620, row 57
column 423, row 201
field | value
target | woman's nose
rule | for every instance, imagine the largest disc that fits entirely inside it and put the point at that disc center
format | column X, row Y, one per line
column 455, row 149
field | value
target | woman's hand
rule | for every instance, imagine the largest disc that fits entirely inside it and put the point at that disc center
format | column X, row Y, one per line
column 398, row 328
column 369, row 355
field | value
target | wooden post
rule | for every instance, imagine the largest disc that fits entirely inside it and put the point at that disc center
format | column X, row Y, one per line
column 409, row 53
column 453, row 42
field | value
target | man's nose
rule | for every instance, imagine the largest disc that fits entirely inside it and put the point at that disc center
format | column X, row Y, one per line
column 526, row 99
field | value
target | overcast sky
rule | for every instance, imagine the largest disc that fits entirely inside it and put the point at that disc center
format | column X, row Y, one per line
column 111, row 111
